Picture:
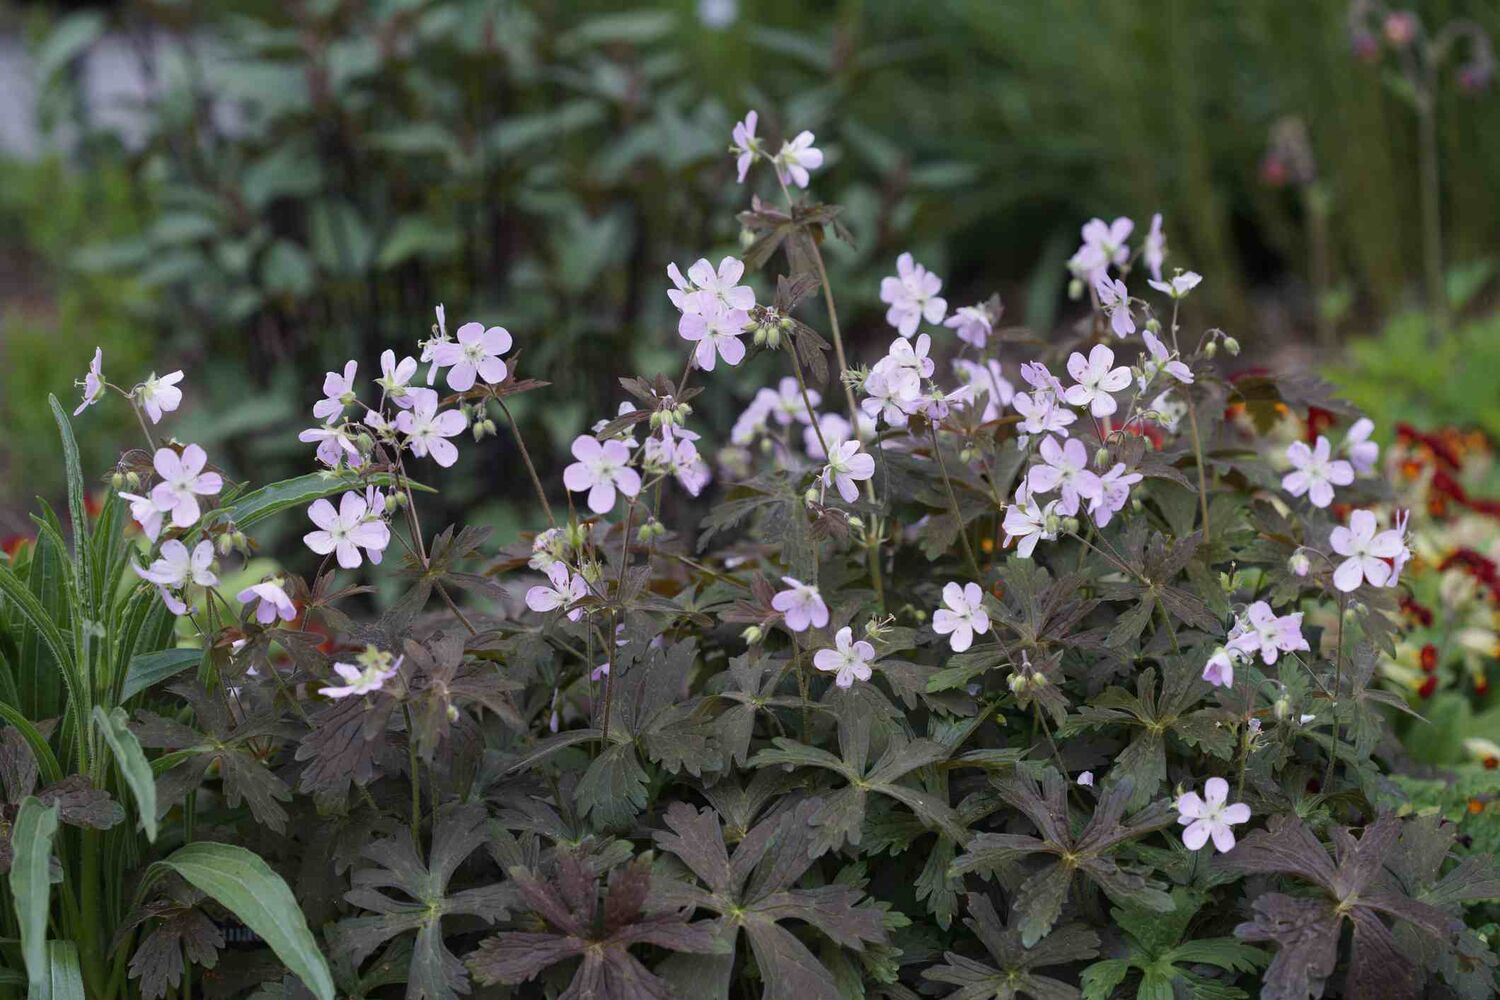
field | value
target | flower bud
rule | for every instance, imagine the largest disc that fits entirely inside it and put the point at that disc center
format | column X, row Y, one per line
column 1299, row 564
column 396, row 501
column 1101, row 457
column 1154, row 325
column 1210, row 349
column 117, row 480
column 1282, row 707
column 452, row 713
column 591, row 572
column 133, row 480
column 1075, row 289
column 812, row 494
column 1017, row 683
column 753, row 634
column 746, row 239
column 1070, row 525
column 651, row 529
column 225, row 544
column 1232, row 346
column 574, row 535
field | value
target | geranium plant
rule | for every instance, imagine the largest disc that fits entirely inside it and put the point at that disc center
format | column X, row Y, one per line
column 998, row 666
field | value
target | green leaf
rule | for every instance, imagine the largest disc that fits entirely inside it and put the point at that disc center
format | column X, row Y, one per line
column 65, row 979
column 246, row 886
column 286, row 269
column 46, row 759
column 23, row 600
column 257, row 505
column 30, row 887
column 417, row 236
column 149, row 669
column 77, row 511
column 67, row 41
column 131, row 760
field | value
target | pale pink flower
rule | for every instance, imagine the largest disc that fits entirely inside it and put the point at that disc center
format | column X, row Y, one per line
column 176, row 567
column 1363, row 453
column 963, row 615
column 336, row 446
column 1219, row 670
column 973, row 325
column 1040, row 377
column 1260, row 630
column 1114, row 494
column 787, row 402
column 847, row 465
column 428, row 431
column 476, row 355
column 723, row 284
column 565, row 589
column 797, row 158
column 849, row 661
column 1109, row 238
column 1040, row 414
column 271, row 601
column 1154, row 249
column 716, row 330
column 1029, row 522
column 1161, row 360
column 602, row 468
column 746, row 145
column 1179, row 285
column 888, row 394
column 1366, row 552
column 361, row 680
column 1114, row 299
column 1315, row 472
column 912, row 296
column 158, row 396
column 801, row 605
column 395, row 379
column 183, row 481
column 338, row 392
column 93, row 382
column 1064, row 467
column 988, row 381
column 1097, row 380
column 1210, row 816
column 1086, row 779
column 345, row 531
column 145, row 513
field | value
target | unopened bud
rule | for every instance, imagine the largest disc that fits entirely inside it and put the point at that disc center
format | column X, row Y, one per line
column 1210, row 349
column 1075, row 289
column 812, row 494
column 856, row 522
column 1282, row 707
column 1017, row 683
column 225, row 544
column 117, row 480
column 396, row 501
column 753, row 634
column 651, row 529
column 574, row 535
column 1070, row 525
column 591, row 572
column 1232, row 346
column 1299, row 564
column 452, row 713
column 1154, row 325
column 1101, row 457
column 133, row 480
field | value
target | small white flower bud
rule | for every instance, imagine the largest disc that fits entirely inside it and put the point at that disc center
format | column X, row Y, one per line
column 1299, row 564
column 117, row 480
column 452, row 713
column 1153, row 324
column 1210, row 349
column 1232, row 346
column 1075, row 289
column 753, row 634
column 1017, row 683
column 1101, row 457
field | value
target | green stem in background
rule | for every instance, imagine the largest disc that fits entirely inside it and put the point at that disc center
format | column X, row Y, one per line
column 1333, row 705
column 937, row 452
column 416, row 779
column 1315, row 207
column 1432, row 222
column 536, row 482
column 1197, row 441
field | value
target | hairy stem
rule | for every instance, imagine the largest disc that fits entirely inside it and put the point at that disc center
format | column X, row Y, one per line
column 536, row 482
column 958, row 520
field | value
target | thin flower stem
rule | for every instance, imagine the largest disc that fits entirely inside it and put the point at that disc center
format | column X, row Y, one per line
column 536, row 482
column 1333, row 705
column 416, row 779
column 812, row 414
column 958, row 520
column 1197, row 442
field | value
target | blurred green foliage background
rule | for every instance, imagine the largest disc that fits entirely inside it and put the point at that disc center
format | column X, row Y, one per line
column 308, row 179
